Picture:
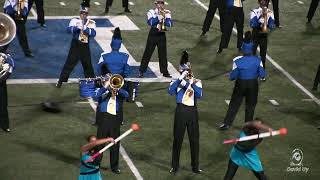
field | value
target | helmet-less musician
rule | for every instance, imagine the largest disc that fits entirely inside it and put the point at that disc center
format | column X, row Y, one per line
column 261, row 22
column 187, row 90
column 18, row 10
column 82, row 30
column 6, row 68
column 159, row 19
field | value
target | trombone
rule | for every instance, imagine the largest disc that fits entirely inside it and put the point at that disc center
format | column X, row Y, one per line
column 265, row 24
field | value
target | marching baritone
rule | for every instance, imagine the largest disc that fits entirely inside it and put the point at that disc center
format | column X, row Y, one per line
column 187, row 90
column 159, row 19
column 82, row 30
column 18, row 10
column 107, row 116
column 261, row 22
column 6, row 68
column 245, row 71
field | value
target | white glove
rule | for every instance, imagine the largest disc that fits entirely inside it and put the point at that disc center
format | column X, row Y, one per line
column 160, row 17
column 5, row 67
column 106, row 84
column 191, row 81
column 183, row 75
column 261, row 20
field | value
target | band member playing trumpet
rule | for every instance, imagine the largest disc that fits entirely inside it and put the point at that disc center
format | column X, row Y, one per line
column 6, row 68
column 261, row 22
column 107, row 114
column 159, row 19
column 90, row 170
column 82, row 30
column 18, row 10
column 246, row 71
column 187, row 90
column 115, row 62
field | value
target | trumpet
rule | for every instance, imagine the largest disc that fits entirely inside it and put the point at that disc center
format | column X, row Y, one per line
column 82, row 37
column 163, row 13
column 265, row 24
column 21, row 4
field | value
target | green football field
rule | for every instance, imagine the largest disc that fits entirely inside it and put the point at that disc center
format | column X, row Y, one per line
column 46, row 146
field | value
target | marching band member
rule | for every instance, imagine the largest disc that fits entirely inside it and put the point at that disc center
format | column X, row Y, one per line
column 260, row 28
column 90, row 170
column 108, row 120
column 312, row 9
column 245, row 154
column 213, row 5
column 246, row 69
column 40, row 11
column 187, row 91
column 234, row 14
column 82, row 30
column 115, row 62
column 6, row 68
column 316, row 80
column 18, row 12
column 275, row 5
column 159, row 19
column 125, row 5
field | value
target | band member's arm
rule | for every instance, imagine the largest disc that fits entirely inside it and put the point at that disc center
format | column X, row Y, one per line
column 73, row 28
column 254, row 20
column 123, row 93
column 100, row 93
column 257, row 124
column 8, row 8
column 168, row 21
column 25, row 9
column 152, row 18
column 179, row 82
column 89, row 146
column 90, row 31
column 234, row 74
column 271, row 24
column 262, row 72
column 197, row 87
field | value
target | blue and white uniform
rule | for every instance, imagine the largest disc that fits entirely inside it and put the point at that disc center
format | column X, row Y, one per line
column 88, row 30
column 11, row 7
column 187, row 93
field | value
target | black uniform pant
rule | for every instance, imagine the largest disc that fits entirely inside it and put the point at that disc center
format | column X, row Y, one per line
column 22, row 36
column 158, row 39
column 124, row 3
column 260, row 40
column 317, row 78
column 40, row 10
column 213, row 6
column 233, row 15
column 312, row 9
column 275, row 5
column 186, row 117
column 78, row 51
column 4, row 118
column 243, row 88
column 109, row 126
column 233, row 167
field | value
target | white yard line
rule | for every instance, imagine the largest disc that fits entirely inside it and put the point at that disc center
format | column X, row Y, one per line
column 62, row 3
column 274, row 102
column 33, row 12
column 307, row 100
column 139, row 104
column 274, row 63
column 122, row 150
column 227, row 101
column 131, row 3
column 300, row 2
column 166, row 3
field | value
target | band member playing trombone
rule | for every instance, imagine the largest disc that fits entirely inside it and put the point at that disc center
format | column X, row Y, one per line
column 187, row 90
column 159, row 19
column 261, row 22
column 6, row 68
column 115, row 62
column 108, row 112
column 82, row 30
column 18, row 10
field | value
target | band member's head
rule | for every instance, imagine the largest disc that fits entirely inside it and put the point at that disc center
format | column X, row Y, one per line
column 247, row 37
column 247, row 46
column 116, row 39
column 84, row 9
column 159, row 4
column 91, row 139
column 262, row 3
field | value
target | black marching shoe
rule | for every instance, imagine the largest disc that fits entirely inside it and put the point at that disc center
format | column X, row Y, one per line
column 116, row 171
column 141, row 75
column 314, row 88
column 43, row 25
column 106, row 10
column 29, row 54
column 127, row 10
column 223, row 127
column 7, row 130
column 203, row 33
column 167, row 75
column 219, row 51
column 173, row 171
column 59, row 84
column 196, row 170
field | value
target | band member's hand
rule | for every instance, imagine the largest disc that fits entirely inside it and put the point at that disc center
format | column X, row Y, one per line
column 111, row 140
column 270, row 131
column 106, row 84
column 5, row 67
column 183, row 75
column 191, row 80
column 160, row 17
column 261, row 20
